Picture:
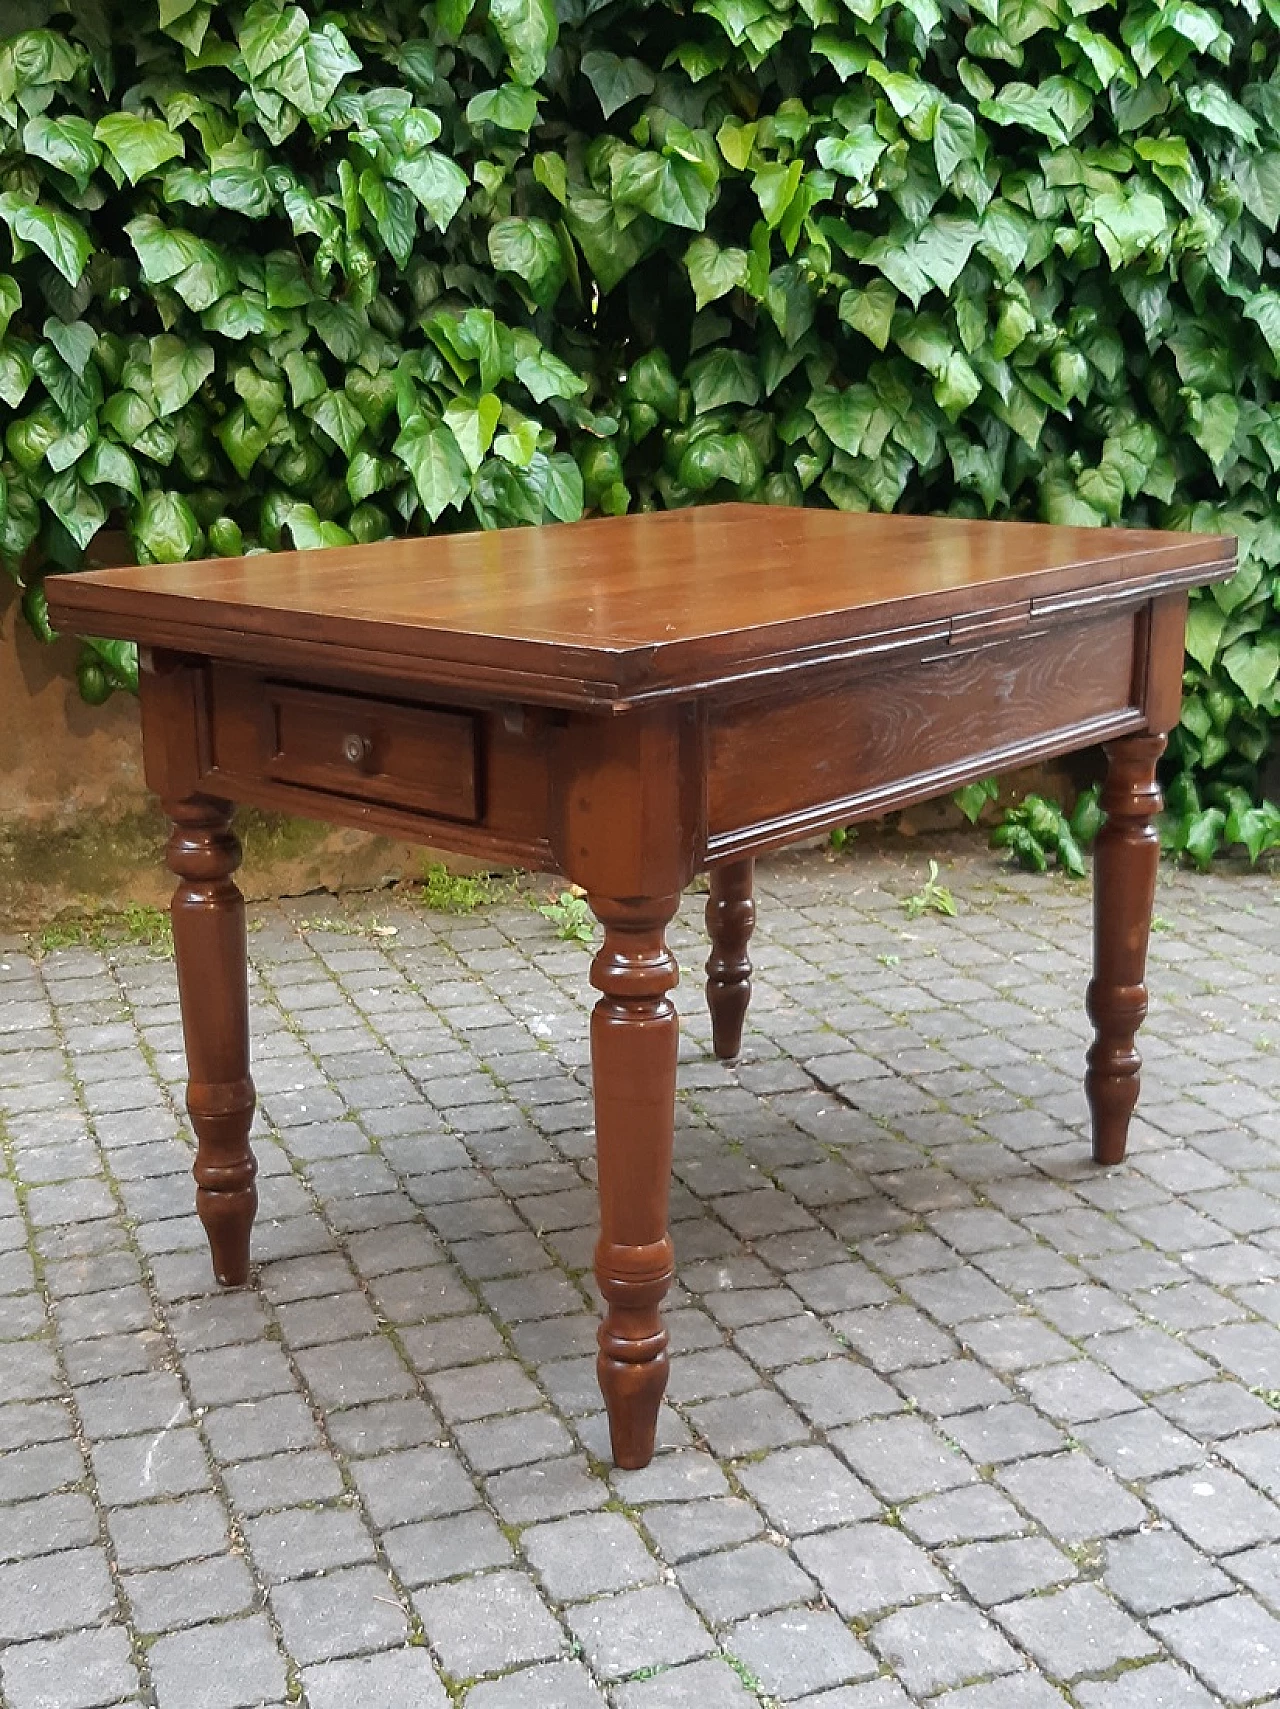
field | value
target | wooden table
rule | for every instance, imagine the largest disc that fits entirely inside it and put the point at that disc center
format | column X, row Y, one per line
column 628, row 701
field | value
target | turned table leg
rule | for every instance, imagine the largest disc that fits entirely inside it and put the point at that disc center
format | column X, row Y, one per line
column 1124, row 882
column 634, row 1040
column 731, row 918
column 210, row 949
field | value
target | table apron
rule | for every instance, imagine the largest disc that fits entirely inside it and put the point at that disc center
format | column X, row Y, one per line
column 782, row 769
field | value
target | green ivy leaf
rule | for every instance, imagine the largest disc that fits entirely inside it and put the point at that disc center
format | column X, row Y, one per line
column 722, row 377
column 66, row 143
column 76, row 506
column 110, row 465
column 75, row 341
column 675, row 191
column 55, row 234
column 269, row 33
column 1210, row 102
column 10, row 301
column 714, row 272
column 1205, row 624
column 138, row 146
column 473, row 423
column 530, row 250
column 1253, row 665
column 616, row 81
column 439, row 184
column 435, row 460
column 563, row 492
column 844, row 416
column 178, row 370
column 16, row 373
column 309, row 74
column 854, row 156
column 527, row 30
column 512, row 108
column 165, row 530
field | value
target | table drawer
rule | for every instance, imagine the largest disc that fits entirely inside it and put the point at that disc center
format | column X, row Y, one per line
column 419, row 758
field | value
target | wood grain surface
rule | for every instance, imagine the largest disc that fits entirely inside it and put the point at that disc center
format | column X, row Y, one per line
column 612, row 609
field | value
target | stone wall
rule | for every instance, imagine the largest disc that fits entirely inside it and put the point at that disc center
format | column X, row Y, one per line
column 78, row 829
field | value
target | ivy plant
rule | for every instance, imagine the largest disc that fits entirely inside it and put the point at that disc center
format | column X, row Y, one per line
column 300, row 274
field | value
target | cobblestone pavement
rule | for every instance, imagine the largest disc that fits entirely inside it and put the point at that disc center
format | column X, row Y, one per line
column 955, row 1417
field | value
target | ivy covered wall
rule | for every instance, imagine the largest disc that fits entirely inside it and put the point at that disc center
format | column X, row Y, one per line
column 290, row 274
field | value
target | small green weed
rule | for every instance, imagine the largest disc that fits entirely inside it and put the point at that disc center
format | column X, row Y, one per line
column 841, row 837
column 571, row 917
column 135, row 923
column 1160, row 924
column 931, row 898
column 454, row 892
column 1270, row 1396
column 1037, row 832
column 974, row 797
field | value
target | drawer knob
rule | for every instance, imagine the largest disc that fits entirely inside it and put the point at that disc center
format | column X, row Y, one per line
column 356, row 749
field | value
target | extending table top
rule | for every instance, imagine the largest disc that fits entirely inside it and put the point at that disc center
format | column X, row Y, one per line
column 618, row 609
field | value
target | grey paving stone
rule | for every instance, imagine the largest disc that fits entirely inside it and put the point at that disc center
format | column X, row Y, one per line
column 418, row 1483
column 45, row 1525
column 902, row 1457
column 584, row 1556
column 231, row 1665
column 1154, row 1571
column 697, row 1685
column 1216, row 1508
column 486, row 1623
column 1002, row 1570
column 683, row 1529
column 343, row 1613
column 837, row 1391
column 651, row 1627
column 937, row 1644
column 140, row 1468
column 568, row 1685
column 188, row 1595
column 397, row 1679
column 962, row 1515
column 1159, row 1687
column 753, row 1578
column 54, row 1593
column 1072, row 1497
column 807, row 1489
column 1233, row 1644
column 304, row 1540
column 744, row 1424
column 1012, row 1691
column 548, row 1491
column 256, row 1428
column 865, row 1568
column 798, row 1651
column 285, row 1480
column 1075, row 1631
column 439, row 1549
column 1140, row 1444
column 162, row 1533
column 81, row 1671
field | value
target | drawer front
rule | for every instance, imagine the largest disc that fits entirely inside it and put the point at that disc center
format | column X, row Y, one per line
column 782, row 768
column 415, row 757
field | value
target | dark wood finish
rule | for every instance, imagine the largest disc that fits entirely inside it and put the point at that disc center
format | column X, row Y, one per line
column 630, row 700
column 731, row 918
column 914, row 729
column 210, row 950
column 616, row 610
column 634, row 1040
column 1124, row 885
